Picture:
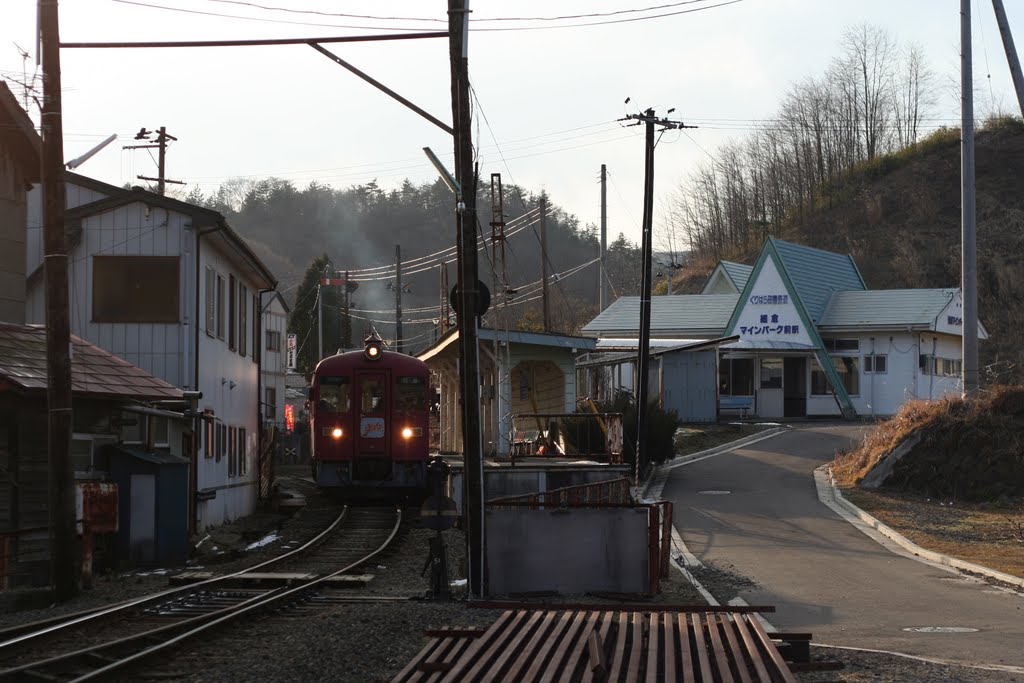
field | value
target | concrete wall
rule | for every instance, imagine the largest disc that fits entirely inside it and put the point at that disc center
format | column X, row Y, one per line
column 568, row 551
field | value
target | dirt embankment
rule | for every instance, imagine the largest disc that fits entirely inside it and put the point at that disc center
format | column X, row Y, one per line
column 967, row 450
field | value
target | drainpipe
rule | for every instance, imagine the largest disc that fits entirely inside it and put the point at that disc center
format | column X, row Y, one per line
column 874, row 369
column 931, row 375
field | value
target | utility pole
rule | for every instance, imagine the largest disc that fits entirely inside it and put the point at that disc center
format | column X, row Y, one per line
column 469, row 296
column 161, row 144
column 602, row 275
column 64, row 564
column 346, row 324
column 445, row 313
column 319, row 323
column 969, row 266
column 1011, row 52
column 649, row 120
column 546, row 307
column 398, row 298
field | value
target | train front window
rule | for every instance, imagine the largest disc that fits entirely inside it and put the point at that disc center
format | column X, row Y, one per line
column 410, row 394
column 335, row 395
column 373, row 396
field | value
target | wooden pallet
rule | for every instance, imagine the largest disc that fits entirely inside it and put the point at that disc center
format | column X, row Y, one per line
column 591, row 645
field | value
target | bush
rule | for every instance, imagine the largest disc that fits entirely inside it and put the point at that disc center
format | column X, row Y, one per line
column 660, row 430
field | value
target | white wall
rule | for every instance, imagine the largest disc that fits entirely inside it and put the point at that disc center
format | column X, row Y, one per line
column 228, row 381
column 274, row 319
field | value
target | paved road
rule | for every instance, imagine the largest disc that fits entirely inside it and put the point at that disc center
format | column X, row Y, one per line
column 822, row 574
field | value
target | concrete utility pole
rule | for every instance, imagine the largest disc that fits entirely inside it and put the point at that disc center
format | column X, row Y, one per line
column 601, row 273
column 643, row 347
column 469, row 296
column 969, row 268
column 398, row 297
column 1011, row 52
column 346, row 324
column 64, row 561
column 319, row 323
column 545, row 301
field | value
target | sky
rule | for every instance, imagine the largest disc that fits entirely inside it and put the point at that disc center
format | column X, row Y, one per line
column 548, row 100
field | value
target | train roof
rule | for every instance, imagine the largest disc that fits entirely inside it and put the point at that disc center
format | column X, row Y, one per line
column 351, row 360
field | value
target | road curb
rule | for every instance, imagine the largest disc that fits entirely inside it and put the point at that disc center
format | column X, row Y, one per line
column 660, row 473
column 911, row 547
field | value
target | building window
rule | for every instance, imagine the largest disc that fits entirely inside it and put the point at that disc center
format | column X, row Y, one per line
column 242, row 452
column 256, row 313
column 841, row 345
column 132, row 430
column 940, row 367
column 211, row 302
column 877, row 363
column 158, row 435
column 220, row 306
column 243, row 323
column 81, row 453
column 274, row 340
column 270, row 404
column 847, row 367
column 211, row 446
column 736, row 377
column 771, row 373
column 232, row 447
column 135, row 289
column 231, row 312
column 222, row 437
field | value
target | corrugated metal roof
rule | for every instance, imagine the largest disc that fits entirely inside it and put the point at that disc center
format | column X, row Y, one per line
column 738, row 273
column 694, row 315
column 885, row 308
column 93, row 371
column 817, row 273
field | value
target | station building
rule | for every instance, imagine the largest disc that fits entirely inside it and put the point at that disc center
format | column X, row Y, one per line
column 798, row 334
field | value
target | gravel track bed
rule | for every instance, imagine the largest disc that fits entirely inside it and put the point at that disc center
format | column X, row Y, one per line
column 373, row 641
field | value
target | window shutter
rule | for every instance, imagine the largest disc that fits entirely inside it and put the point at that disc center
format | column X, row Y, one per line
column 211, row 302
column 243, row 323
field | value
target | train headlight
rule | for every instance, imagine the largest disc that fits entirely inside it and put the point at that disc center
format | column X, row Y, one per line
column 372, row 351
column 337, row 432
column 407, row 433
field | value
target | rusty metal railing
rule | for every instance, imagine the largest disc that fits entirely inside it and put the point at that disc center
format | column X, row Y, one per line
column 611, row 492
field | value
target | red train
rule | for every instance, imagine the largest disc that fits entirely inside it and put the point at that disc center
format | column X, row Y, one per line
column 370, row 422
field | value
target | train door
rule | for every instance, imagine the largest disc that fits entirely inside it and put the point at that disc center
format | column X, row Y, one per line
column 371, row 390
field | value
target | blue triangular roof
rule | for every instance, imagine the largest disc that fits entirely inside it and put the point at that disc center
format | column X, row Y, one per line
column 816, row 274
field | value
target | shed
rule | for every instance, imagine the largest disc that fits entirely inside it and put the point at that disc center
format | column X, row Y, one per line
column 152, row 505
column 521, row 373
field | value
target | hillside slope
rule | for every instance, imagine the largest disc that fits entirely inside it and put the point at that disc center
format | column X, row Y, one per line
column 900, row 218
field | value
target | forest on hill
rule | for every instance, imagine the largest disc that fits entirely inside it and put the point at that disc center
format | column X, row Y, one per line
column 298, row 231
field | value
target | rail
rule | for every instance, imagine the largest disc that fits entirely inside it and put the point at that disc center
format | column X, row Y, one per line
column 170, row 635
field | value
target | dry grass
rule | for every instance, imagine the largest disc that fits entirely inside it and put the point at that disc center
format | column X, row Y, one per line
column 984, row 534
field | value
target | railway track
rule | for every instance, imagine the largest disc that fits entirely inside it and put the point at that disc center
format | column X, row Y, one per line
column 93, row 645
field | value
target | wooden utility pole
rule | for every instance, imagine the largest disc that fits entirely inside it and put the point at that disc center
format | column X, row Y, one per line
column 545, row 304
column 601, row 273
column 398, row 297
column 160, row 144
column 469, row 296
column 643, row 346
column 64, row 560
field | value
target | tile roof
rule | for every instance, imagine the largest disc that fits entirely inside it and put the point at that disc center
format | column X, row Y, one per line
column 885, row 308
column 817, row 273
column 94, row 372
column 737, row 272
column 696, row 315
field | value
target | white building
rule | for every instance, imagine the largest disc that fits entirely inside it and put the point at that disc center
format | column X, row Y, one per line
column 813, row 340
column 273, row 364
column 172, row 289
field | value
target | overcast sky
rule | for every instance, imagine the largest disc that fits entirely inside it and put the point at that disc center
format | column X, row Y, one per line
column 551, row 96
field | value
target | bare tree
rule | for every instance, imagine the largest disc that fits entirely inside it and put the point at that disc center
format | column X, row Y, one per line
column 913, row 95
column 870, row 54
